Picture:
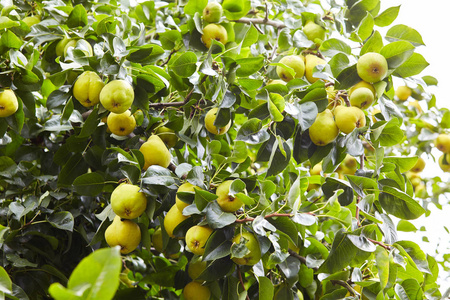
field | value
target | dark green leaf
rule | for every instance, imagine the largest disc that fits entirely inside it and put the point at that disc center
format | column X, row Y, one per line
column 90, row 184
column 78, row 17
column 216, row 217
column 400, row 204
column 185, row 65
column 62, row 220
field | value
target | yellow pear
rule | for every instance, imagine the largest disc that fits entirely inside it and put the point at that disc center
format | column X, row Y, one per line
column 374, row 113
column 127, row 201
column 155, row 152
column 416, row 104
column 251, row 242
column 419, row 166
column 403, row 92
column 117, row 96
column 212, row 12
column 226, row 202
column 316, row 170
column 444, row 162
column 125, row 234
column 185, row 187
column 121, row 124
column 313, row 31
column 311, row 62
column 196, row 238
column 8, row 103
column 214, row 32
column 362, row 83
column 349, row 118
column 195, row 269
column 210, row 117
column 296, row 63
column 31, row 20
column 372, row 67
column 362, row 98
column 442, row 142
column 87, row 88
column 167, row 135
column 194, row 290
column 157, row 240
column 172, row 219
column 324, row 129
column 420, row 191
column 350, row 162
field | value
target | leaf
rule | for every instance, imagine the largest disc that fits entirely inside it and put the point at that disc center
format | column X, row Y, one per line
column 248, row 66
column 404, row 33
column 406, row 226
column 373, row 44
column 185, row 65
column 236, row 9
column 278, row 161
column 413, row 66
column 216, row 217
column 6, row 22
column 409, row 290
column 5, row 282
column 396, row 53
column 333, row 184
column 382, row 263
column 331, row 47
column 195, row 6
column 362, row 243
column 404, row 163
column 387, row 17
column 366, row 27
column 74, row 167
column 202, row 198
column 78, row 17
column 89, row 184
column 10, row 40
column 341, row 254
column 266, row 288
column 62, row 220
column 157, row 175
column 400, row 204
column 417, row 255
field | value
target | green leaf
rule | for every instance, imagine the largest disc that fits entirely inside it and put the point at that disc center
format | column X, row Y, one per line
column 387, row 17
column 89, row 184
column 10, row 40
column 406, row 226
column 6, row 22
column 266, row 288
column 236, row 9
column 90, row 125
column 331, row 47
column 202, row 198
column 341, row 254
column 415, row 253
column 185, row 65
column 413, row 66
column 348, row 78
column 409, row 290
column 404, row 163
column 278, row 161
column 74, row 167
column 157, row 175
column 5, row 282
column 373, row 44
column 430, row 80
column 382, row 263
column 366, row 27
column 251, row 37
column 216, row 217
column 248, row 66
column 387, row 133
column 400, row 204
column 396, row 53
column 404, row 33
column 62, row 220
column 170, row 38
column 195, row 6
column 78, row 17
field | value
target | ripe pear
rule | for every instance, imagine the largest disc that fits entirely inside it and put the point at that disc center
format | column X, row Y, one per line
column 350, row 162
column 210, row 117
column 195, row 269
column 125, row 234
column 419, row 166
column 31, row 20
column 196, row 238
column 311, row 62
column 155, row 152
column 214, row 32
column 349, row 118
column 157, row 240
column 372, row 67
column 194, row 290
column 403, row 93
column 185, row 187
column 212, row 12
column 8, row 103
column 127, row 201
column 296, row 63
column 226, row 202
column 375, row 112
column 362, row 83
column 442, row 142
column 87, row 88
column 324, row 129
column 117, row 96
column 362, row 98
column 121, row 124
column 167, row 135
column 444, row 162
column 316, row 170
column 252, row 244
column 172, row 219
column 313, row 31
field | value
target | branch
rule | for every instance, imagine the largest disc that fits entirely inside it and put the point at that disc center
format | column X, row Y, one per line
column 300, row 258
column 250, row 219
column 240, row 280
column 276, row 24
column 358, row 198
column 346, row 285
column 380, row 244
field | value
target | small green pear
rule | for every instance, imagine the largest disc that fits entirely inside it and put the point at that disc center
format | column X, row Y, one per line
column 349, row 118
column 311, row 62
column 210, row 117
column 195, row 269
column 84, row 45
column 194, row 290
column 127, row 201
column 324, row 129
column 167, row 135
column 172, row 219
column 117, row 96
column 442, row 142
column 362, row 83
column 212, row 12
column 155, row 152
column 313, row 31
column 296, row 63
column 31, row 20
column 8, row 103
column 214, row 32
column 372, row 67
column 157, row 240
column 121, row 124
column 226, row 202
column 61, row 46
column 196, row 238
column 362, row 98
column 252, row 244
column 123, row 233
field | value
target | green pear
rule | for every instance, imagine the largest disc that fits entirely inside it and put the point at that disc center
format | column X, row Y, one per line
column 172, row 219
column 362, row 98
column 123, row 233
column 210, row 117
column 117, row 96
column 61, row 46
column 83, row 45
column 212, row 12
column 167, row 135
column 349, row 118
column 8, row 103
column 226, row 202
column 195, row 269
column 194, row 290
column 350, row 162
column 157, row 240
column 362, row 83
column 31, row 20
column 185, row 187
column 196, row 238
column 252, row 244
column 311, row 62
column 214, row 32
column 121, row 124
column 324, row 129
column 313, row 31
column 87, row 88
column 127, row 201
column 444, row 162
column 442, row 142
column 155, row 152
column 419, row 166
column 403, row 93
column 372, row 67
column 296, row 63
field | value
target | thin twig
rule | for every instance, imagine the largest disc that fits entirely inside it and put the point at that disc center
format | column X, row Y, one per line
column 241, row 280
column 276, row 24
column 380, row 244
column 344, row 284
column 168, row 58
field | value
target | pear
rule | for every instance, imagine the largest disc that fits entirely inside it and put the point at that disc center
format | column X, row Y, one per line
column 252, row 244
column 172, row 219
column 313, row 31
column 442, row 142
column 362, row 83
column 194, row 290
column 155, row 152
column 403, row 93
column 444, row 162
column 362, row 98
column 324, row 129
column 195, row 269
column 167, row 135
column 316, row 170
column 296, row 63
column 196, row 238
column 350, row 162
column 375, row 112
column 117, row 96
column 420, row 191
column 127, row 201
column 372, row 67
column 83, row 45
column 226, row 202
column 121, row 124
column 349, row 118
column 419, row 166
column 210, row 117
column 61, row 46
column 212, row 12
column 8, row 103
column 31, row 20
column 311, row 62
column 87, row 88
column 185, row 187
column 214, row 32
column 125, row 234
column 416, row 105
column 157, row 240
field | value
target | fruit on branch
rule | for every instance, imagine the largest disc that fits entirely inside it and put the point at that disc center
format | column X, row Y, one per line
column 226, row 202
column 31, row 20
column 374, row 113
column 324, row 129
column 83, row 45
column 210, row 118
column 292, row 61
column 212, row 12
column 123, row 233
column 155, row 152
column 372, row 67
column 195, row 269
column 185, row 187
column 121, row 124
column 196, row 238
column 8, row 103
column 117, row 96
column 444, row 162
column 360, row 84
column 416, row 105
column 420, row 191
column 172, row 219
column 316, row 170
column 313, row 31
column 350, row 162
column 419, row 166
column 214, row 32
column 362, row 98
column 167, row 135
column 157, row 240
column 252, row 244
column 403, row 93
column 127, row 201
column 194, row 290
column 59, row 50
column 349, row 118
column 87, row 88
column 442, row 142
column 311, row 62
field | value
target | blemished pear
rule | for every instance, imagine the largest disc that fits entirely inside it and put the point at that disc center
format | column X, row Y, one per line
column 442, row 142
column 196, row 238
column 8, row 103
column 362, row 98
column 121, row 124
column 311, row 62
column 226, row 202
column 212, row 12
column 372, row 67
column 214, row 32
column 324, row 129
column 185, row 187
column 252, row 245
column 194, row 290
column 123, row 233
column 87, row 88
column 155, row 152
column 117, row 96
column 296, row 63
column 127, row 201
column 172, row 219
column 349, row 118
column 210, row 117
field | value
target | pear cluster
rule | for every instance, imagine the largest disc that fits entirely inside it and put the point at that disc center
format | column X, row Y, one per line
column 212, row 14
column 297, row 66
column 442, row 142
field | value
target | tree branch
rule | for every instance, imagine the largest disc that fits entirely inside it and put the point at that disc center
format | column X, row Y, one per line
column 346, row 285
column 380, row 244
column 300, row 258
column 241, row 280
column 276, row 24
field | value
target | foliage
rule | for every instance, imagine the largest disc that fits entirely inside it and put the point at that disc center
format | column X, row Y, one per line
column 322, row 235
